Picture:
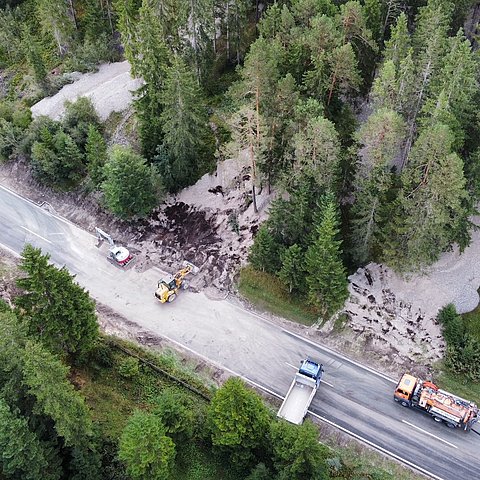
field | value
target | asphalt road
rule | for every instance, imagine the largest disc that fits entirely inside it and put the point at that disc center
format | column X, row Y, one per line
column 353, row 397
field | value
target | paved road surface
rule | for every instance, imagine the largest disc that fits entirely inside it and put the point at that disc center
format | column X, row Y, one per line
column 353, row 397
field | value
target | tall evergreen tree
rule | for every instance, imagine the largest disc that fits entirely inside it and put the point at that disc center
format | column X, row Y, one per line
column 429, row 43
column 145, row 448
column 130, row 185
column 184, row 123
column 249, row 134
column 53, row 307
column 398, row 46
column 96, row 155
column 317, row 153
column 292, row 272
column 238, row 422
column 380, row 139
column 430, row 211
column 24, row 455
column 326, row 276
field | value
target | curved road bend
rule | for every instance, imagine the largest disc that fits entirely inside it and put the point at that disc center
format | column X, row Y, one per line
column 353, row 397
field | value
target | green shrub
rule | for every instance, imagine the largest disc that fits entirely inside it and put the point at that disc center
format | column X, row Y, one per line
column 129, row 367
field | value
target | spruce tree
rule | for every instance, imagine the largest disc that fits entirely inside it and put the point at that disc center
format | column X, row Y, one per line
column 430, row 210
column 326, row 276
column 292, row 272
column 24, row 455
column 96, row 155
column 398, row 46
column 317, row 153
column 53, row 307
column 130, row 185
column 265, row 252
column 184, row 123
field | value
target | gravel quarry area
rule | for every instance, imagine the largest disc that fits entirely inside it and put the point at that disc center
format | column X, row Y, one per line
column 212, row 225
column 110, row 90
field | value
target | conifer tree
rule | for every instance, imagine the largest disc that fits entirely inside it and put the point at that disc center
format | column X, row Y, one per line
column 317, row 153
column 249, row 134
column 385, row 87
column 326, row 276
column 96, row 155
column 184, row 123
column 265, row 252
column 24, row 455
column 145, row 448
column 130, row 185
column 55, row 308
column 292, row 272
column 380, row 139
column 398, row 46
column 430, row 212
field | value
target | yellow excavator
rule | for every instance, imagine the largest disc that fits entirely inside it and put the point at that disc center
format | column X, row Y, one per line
column 167, row 288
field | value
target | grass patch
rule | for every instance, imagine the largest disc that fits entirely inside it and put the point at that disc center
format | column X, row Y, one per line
column 267, row 292
column 112, row 397
column 459, row 385
column 196, row 462
column 471, row 321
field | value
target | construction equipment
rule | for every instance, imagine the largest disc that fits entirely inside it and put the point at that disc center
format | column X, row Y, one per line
column 167, row 288
column 301, row 392
column 117, row 255
column 442, row 406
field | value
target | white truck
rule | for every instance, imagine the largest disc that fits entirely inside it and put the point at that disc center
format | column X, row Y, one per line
column 301, row 392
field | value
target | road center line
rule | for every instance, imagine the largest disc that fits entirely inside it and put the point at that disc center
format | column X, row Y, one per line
column 37, row 235
column 429, row 434
column 333, row 352
column 322, row 381
column 377, row 447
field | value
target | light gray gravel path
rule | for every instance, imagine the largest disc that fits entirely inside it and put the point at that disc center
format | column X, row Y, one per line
column 110, row 90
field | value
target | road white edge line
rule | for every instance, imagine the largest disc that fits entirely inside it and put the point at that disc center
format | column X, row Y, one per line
column 429, row 434
column 377, row 447
column 13, row 252
column 37, row 235
column 354, row 435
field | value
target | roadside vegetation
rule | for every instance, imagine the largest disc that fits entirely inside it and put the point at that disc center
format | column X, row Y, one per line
column 92, row 407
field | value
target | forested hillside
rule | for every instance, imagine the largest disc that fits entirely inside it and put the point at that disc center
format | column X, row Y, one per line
column 361, row 115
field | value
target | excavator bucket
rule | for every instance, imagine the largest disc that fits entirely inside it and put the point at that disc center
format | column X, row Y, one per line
column 193, row 268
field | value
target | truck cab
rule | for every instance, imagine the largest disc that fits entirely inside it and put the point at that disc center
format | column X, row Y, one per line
column 405, row 389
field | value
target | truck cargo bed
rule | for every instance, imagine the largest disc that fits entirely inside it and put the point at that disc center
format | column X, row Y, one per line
column 297, row 402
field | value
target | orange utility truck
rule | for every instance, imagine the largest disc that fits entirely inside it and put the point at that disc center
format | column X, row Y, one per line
column 441, row 405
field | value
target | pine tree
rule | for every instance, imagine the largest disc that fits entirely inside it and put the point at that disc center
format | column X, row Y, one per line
column 326, row 277
column 265, row 252
column 130, row 185
column 398, row 46
column 184, row 123
column 292, row 272
column 344, row 75
column 430, row 210
column 380, row 139
column 145, row 448
column 96, row 155
column 249, row 134
column 24, row 455
column 55, row 308
column 259, row 78
column 317, row 153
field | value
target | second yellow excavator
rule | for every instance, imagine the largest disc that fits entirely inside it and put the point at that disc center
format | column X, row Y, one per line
column 167, row 288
